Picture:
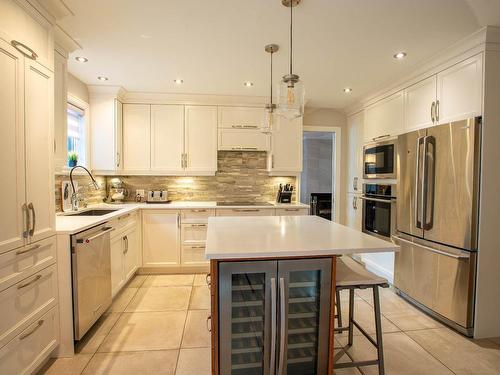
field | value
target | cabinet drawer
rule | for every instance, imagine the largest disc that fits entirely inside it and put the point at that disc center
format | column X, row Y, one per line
column 123, row 221
column 26, row 300
column 31, row 347
column 292, row 211
column 194, row 233
column 194, row 254
column 245, row 212
column 197, row 215
column 241, row 117
column 20, row 263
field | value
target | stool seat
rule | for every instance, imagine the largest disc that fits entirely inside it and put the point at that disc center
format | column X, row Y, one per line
column 352, row 274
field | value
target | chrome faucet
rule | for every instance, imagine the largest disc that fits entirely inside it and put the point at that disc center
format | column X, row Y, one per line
column 74, row 196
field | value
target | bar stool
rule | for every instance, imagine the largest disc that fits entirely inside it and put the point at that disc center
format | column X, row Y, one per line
column 352, row 275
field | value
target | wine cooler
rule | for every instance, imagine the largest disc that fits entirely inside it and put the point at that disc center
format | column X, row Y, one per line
column 274, row 317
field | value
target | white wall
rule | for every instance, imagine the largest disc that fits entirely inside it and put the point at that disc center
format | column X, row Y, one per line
column 77, row 88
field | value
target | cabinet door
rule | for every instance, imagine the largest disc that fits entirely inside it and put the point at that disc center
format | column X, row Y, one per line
column 242, row 117
column 117, row 267
column 286, row 146
column 384, row 118
column 200, row 139
column 304, row 295
column 459, row 90
column 167, row 137
column 418, row 104
column 136, row 137
column 245, row 212
column 161, row 238
column 12, row 188
column 243, row 140
column 295, row 211
column 131, row 260
column 117, row 158
column 354, row 211
column 355, row 152
column 60, row 112
column 39, row 138
column 247, row 317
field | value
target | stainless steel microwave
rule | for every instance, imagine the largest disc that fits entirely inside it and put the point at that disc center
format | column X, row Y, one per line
column 379, row 159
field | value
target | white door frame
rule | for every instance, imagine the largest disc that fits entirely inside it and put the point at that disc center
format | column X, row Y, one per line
column 336, row 163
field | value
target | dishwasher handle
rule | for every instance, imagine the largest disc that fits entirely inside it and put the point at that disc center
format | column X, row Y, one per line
column 90, row 239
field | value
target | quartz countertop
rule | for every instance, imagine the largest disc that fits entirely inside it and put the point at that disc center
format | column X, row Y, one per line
column 286, row 236
column 68, row 224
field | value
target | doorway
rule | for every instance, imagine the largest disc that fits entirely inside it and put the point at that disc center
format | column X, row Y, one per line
column 318, row 182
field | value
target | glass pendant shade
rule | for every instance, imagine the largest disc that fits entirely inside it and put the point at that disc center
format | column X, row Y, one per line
column 290, row 99
column 271, row 123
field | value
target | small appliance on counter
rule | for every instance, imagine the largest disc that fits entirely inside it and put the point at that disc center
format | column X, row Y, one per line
column 117, row 192
column 284, row 193
column 157, row 196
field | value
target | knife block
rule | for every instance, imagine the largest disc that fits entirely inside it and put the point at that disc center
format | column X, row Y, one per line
column 284, row 197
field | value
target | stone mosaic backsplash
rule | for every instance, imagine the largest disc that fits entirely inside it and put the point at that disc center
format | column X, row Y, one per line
column 241, row 177
column 87, row 191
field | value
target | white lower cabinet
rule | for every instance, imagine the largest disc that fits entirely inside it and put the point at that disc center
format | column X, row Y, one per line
column 292, row 211
column 161, row 238
column 125, row 255
column 354, row 210
column 25, row 352
column 245, row 212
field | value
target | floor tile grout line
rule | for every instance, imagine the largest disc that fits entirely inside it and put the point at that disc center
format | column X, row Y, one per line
column 182, row 336
column 427, row 351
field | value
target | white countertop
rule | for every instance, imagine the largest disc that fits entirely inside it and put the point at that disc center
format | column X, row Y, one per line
column 286, row 236
column 68, row 224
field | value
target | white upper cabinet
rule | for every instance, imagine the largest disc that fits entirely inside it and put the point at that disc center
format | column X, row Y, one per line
column 12, row 188
column 239, row 129
column 242, row 117
column 200, row 140
column 384, row 119
column 167, row 138
column 459, row 90
column 106, row 132
column 39, row 138
column 285, row 157
column 419, row 101
column 355, row 152
column 136, row 137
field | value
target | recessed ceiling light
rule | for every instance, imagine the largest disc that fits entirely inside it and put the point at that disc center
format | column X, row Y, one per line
column 248, row 84
column 347, row 90
column 399, row 55
column 179, row 81
column 101, row 78
column 146, row 36
column 81, row 59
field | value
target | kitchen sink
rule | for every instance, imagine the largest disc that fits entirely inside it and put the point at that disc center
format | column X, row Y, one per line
column 96, row 212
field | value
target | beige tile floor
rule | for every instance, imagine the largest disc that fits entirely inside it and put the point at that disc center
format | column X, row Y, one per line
column 158, row 325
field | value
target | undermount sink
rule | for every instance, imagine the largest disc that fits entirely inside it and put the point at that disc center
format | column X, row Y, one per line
column 95, row 212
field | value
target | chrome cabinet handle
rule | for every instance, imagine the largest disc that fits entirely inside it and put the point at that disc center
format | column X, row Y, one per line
column 118, row 159
column 197, row 247
column 433, row 109
column 125, row 239
column 26, row 220
column 208, row 280
column 33, row 330
column 282, row 327
column 33, row 223
column 24, row 49
column 34, row 280
column 19, row 252
column 198, row 225
column 202, row 210
column 381, row 137
column 436, row 111
column 209, row 323
column 272, row 161
column 178, row 220
column 355, row 183
column 355, row 203
column 244, row 148
column 273, row 326
column 246, row 209
column 292, row 209
column 124, row 216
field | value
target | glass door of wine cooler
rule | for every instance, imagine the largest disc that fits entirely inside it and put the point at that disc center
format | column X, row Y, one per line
column 247, row 320
column 304, row 306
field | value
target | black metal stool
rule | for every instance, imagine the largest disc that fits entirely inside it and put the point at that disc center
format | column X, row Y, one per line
column 352, row 275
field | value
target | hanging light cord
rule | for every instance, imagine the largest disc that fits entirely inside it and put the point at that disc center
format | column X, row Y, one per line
column 291, row 34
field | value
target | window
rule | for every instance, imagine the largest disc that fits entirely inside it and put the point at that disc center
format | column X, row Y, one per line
column 77, row 135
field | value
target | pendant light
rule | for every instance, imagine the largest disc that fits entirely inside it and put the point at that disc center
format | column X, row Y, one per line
column 291, row 88
column 271, row 126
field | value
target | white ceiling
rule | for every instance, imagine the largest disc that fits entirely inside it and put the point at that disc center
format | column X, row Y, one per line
column 216, row 45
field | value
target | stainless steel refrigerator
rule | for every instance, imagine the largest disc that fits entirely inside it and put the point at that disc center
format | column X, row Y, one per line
column 437, row 220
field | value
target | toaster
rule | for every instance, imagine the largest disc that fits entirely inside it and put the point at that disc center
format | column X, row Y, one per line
column 157, row 196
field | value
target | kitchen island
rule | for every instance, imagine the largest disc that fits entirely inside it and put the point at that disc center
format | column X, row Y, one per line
column 273, row 291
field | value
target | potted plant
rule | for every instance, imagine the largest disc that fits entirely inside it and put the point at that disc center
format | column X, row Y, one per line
column 72, row 159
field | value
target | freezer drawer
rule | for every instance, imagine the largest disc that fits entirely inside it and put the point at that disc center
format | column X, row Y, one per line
column 439, row 278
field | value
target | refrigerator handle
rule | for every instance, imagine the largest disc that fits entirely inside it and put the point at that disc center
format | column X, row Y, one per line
column 272, row 361
column 418, row 187
column 429, row 178
column 282, row 327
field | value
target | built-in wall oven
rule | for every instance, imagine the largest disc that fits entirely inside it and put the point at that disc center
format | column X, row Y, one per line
column 379, row 159
column 379, row 210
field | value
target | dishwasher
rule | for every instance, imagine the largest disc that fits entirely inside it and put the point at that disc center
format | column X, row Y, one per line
column 91, row 274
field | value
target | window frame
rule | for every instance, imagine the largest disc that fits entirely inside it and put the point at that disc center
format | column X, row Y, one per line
column 85, row 108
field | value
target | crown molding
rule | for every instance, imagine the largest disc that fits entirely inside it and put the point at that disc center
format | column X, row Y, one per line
column 102, row 90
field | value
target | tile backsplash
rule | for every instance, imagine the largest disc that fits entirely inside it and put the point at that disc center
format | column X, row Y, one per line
column 89, row 194
column 241, row 177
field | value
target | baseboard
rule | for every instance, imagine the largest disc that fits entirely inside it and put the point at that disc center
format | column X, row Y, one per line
column 380, row 271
